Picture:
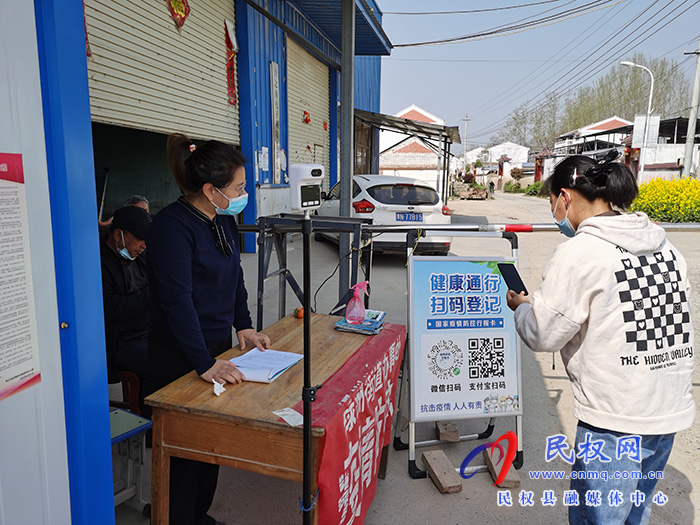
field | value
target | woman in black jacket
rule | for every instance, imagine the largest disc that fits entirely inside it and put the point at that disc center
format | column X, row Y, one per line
column 198, row 294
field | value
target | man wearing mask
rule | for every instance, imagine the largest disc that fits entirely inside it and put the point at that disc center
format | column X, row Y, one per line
column 125, row 292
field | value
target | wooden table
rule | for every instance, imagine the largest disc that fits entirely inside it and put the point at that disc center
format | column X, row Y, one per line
column 238, row 428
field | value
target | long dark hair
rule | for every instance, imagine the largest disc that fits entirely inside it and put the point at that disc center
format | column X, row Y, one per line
column 605, row 179
column 213, row 162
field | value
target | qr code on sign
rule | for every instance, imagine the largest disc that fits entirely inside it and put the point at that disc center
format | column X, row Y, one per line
column 486, row 357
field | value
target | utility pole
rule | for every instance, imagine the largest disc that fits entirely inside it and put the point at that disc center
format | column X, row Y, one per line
column 347, row 134
column 464, row 168
column 693, row 117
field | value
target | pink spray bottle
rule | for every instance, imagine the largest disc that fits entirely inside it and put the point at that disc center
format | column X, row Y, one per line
column 355, row 311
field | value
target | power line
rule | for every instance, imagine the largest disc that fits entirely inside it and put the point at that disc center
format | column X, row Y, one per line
column 522, row 20
column 621, row 98
column 495, row 126
column 475, row 60
column 631, row 44
column 569, row 73
column 618, row 99
column 471, row 11
column 520, row 27
column 533, row 75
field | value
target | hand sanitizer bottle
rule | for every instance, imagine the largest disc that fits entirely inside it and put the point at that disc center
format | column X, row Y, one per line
column 355, row 311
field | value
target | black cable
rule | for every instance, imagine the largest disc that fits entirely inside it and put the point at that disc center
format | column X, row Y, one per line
column 517, row 87
column 612, row 101
column 364, row 272
column 539, row 103
column 517, row 27
column 503, row 26
column 471, row 10
column 571, row 72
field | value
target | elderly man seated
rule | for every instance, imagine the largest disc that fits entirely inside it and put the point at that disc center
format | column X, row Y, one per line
column 125, row 292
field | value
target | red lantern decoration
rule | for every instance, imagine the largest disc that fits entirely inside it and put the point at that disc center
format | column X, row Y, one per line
column 325, row 125
column 306, row 118
column 179, row 10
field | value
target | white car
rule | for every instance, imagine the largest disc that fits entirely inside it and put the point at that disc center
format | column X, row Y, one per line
column 390, row 201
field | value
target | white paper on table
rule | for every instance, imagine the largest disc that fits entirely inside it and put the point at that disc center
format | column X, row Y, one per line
column 290, row 415
column 265, row 367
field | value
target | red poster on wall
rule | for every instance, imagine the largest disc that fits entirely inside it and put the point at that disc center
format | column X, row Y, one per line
column 180, row 10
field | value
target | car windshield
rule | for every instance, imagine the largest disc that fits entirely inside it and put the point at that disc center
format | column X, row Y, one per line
column 406, row 194
column 335, row 191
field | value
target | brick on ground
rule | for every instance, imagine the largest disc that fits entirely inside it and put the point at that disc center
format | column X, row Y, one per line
column 447, row 431
column 512, row 479
column 442, row 472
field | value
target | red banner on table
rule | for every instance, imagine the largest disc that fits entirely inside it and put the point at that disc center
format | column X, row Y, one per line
column 357, row 411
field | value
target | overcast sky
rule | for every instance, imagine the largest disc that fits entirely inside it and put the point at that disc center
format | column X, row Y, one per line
column 486, row 79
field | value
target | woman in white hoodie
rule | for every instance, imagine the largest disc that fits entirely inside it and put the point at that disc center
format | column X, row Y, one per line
column 615, row 302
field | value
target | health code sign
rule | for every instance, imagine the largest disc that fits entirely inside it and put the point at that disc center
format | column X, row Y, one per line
column 464, row 351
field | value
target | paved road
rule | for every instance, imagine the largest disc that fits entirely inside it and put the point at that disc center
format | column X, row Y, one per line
column 547, row 394
column 547, row 402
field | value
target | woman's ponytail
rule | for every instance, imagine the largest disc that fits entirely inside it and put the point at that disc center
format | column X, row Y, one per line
column 193, row 166
column 177, row 150
column 621, row 186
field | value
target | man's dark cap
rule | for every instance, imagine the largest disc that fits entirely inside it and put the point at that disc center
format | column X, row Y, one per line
column 132, row 219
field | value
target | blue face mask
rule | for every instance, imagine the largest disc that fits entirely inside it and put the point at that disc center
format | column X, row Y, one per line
column 124, row 252
column 565, row 224
column 235, row 205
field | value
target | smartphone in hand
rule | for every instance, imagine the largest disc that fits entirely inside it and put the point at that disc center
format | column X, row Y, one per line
column 512, row 277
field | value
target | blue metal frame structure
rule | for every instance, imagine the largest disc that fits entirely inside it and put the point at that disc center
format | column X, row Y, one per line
column 370, row 38
column 68, row 136
column 262, row 29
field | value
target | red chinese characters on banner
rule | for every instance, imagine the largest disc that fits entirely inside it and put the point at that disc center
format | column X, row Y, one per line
column 179, row 10
column 357, row 410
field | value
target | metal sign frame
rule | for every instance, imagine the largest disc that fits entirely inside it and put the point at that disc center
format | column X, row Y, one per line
column 413, row 347
column 437, row 349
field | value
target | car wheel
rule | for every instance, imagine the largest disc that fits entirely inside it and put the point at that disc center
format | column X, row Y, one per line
column 318, row 237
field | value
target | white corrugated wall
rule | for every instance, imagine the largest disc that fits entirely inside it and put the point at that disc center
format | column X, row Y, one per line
column 307, row 90
column 144, row 73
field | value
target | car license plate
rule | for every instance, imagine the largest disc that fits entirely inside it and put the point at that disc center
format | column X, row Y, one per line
column 409, row 217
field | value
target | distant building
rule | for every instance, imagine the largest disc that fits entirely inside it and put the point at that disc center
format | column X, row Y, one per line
column 663, row 153
column 594, row 140
column 387, row 139
column 411, row 156
column 598, row 137
column 498, row 161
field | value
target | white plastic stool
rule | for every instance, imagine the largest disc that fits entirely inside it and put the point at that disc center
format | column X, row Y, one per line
column 128, row 447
